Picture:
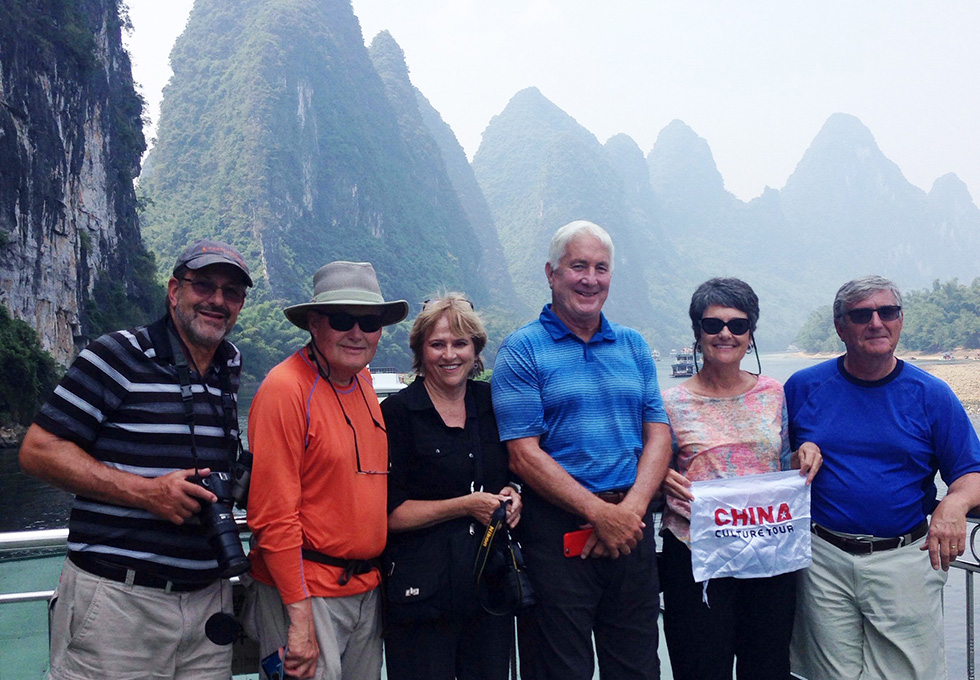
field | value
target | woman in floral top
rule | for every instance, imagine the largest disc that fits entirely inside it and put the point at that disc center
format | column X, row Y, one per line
column 725, row 422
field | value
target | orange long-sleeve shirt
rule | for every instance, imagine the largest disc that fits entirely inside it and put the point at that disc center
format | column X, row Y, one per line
column 305, row 489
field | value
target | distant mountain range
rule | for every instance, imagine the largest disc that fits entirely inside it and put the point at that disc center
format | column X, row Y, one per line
column 284, row 134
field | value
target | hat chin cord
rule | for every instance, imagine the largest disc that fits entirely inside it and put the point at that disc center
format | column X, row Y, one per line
column 316, row 360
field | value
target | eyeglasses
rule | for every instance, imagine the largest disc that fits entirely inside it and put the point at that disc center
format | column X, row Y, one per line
column 205, row 288
column 862, row 315
column 357, row 449
column 713, row 326
column 342, row 321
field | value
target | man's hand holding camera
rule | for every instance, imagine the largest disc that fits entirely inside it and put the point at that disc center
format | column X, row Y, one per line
column 174, row 496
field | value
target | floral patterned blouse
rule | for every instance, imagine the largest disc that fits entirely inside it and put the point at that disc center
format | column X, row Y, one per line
column 721, row 437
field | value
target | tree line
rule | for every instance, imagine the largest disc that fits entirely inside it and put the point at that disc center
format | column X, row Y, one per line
column 939, row 319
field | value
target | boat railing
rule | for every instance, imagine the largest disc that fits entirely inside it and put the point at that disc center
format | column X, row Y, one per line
column 55, row 540
column 970, row 569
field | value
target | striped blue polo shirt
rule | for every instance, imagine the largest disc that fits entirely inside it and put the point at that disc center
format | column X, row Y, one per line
column 586, row 401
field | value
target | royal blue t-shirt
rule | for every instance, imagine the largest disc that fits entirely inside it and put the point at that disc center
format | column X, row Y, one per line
column 882, row 443
column 586, row 401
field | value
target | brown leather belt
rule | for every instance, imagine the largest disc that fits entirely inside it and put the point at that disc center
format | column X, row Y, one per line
column 870, row 544
column 614, row 497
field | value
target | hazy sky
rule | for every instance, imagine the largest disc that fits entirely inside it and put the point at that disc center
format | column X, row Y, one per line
column 756, row 79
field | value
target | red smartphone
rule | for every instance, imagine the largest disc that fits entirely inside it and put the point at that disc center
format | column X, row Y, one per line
column 575, row 541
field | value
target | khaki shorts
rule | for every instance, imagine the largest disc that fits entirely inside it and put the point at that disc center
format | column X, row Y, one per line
column 102, row 629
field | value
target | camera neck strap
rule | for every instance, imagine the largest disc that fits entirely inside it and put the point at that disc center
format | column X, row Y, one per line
column 228, row 406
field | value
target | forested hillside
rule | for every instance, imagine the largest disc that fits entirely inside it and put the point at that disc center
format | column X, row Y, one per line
column 278, row 134
column 72, row 263
column 937, row 319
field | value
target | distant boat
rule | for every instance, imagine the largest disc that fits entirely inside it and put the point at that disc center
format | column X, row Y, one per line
column 683, row 364
column 387, row 381
column 656, row 354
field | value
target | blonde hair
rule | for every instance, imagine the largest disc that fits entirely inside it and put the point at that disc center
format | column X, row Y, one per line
column 463, row 322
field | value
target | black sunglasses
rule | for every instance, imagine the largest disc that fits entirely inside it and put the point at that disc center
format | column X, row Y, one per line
column 342, row 321
column 713, row 326
column 862, row 315
column 206, row 288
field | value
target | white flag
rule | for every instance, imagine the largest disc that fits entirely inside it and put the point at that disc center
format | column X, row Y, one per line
column 750, row 527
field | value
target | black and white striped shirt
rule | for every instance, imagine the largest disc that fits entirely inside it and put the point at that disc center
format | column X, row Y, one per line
column 120, row 401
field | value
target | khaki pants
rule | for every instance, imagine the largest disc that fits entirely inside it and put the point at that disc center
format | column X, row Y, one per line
column 348, row 630
column 869, row 617
column 103, row 629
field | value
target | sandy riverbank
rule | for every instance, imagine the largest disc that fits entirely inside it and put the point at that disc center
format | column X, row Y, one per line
column 962, row 373
column 963, row 377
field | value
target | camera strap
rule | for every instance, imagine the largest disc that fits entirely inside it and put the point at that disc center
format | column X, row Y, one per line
column 228, row 406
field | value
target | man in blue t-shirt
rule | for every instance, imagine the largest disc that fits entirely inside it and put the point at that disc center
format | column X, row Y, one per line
column 577, row 402
column 870, row 606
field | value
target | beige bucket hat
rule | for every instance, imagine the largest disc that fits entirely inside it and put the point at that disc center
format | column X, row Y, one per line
column 339, row 285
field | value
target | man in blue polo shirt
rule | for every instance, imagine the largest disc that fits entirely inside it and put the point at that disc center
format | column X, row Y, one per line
column 870, row 605
column 577, row 402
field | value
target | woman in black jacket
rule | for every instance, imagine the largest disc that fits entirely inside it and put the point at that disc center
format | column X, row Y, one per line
column 449, row 473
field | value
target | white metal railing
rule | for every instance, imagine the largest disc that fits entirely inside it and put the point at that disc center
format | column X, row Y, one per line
column 58, row 538
column 969, row 569
column 13, row 541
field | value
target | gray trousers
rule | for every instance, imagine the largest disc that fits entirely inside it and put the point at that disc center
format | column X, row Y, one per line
column 348, row 630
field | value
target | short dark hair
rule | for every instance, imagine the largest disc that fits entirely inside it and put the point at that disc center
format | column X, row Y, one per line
column 726, row 292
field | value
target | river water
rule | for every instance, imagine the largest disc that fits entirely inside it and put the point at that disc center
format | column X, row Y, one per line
column 26, row 503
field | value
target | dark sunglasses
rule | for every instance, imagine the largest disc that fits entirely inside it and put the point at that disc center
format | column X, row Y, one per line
column 862, row 315
column 342, row 321
column 206, row 288
column 713, row 326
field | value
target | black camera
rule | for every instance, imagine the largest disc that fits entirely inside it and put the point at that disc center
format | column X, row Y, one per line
column 219, row 521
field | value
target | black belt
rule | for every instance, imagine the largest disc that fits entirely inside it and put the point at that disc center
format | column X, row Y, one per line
column 350, row 567
column 615, row 496
column 866, row 546
column 121, row 574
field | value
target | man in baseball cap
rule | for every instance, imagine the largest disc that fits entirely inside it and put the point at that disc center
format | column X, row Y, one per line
column 118, row 434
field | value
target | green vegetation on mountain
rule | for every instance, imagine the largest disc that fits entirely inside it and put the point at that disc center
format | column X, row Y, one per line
column 29, row 373
column 540, row 169
column 278, row 135
column 939, row 319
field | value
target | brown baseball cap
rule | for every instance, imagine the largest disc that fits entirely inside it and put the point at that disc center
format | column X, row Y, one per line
column 205, row 252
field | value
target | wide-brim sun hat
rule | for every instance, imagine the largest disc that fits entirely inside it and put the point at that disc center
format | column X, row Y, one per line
column 340, row 285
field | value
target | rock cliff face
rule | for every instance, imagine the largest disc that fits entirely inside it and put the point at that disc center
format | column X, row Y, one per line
column 70, row 144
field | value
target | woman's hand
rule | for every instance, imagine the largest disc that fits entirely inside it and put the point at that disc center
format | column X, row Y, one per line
column 302, row 649
column 480, row 505
column 514, row 507
column 677, row 485
column 807, row 459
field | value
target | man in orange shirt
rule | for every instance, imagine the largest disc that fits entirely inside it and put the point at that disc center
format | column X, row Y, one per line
column 317, row 503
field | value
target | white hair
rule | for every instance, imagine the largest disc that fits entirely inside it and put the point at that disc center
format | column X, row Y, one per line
column 565, row 235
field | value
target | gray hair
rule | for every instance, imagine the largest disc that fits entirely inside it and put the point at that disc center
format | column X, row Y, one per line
column 862, row 288
column 564, row 236
column 733, row 293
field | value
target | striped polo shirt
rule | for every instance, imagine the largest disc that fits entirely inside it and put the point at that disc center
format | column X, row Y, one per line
column 120, row 401
column 586, row 401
